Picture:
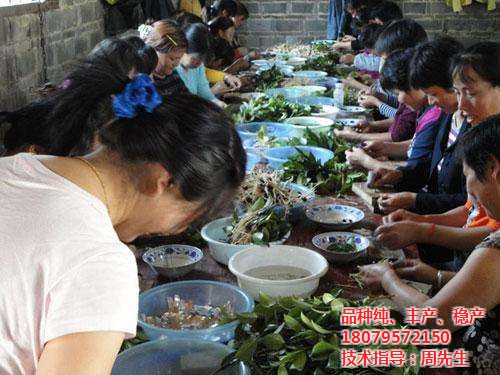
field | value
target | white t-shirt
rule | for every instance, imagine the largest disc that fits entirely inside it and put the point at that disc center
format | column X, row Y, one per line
column 63, row 268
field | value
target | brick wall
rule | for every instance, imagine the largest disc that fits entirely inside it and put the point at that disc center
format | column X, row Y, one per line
column 474, row 23
column 274, row 21
column 67, row 28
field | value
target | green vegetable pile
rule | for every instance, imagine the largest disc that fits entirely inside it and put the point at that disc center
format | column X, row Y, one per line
column 333, row 177
column 348, row 246
column 259, row 225
column 350, row 96
column 269, row 79
column 322, row 47
column 324, row 140
column 300, row 336
column 276, row 109
column 325, row 63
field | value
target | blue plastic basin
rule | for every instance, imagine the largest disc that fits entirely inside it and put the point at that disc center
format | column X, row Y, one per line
column 201, row 292
column 175, row 357
column 278, row 155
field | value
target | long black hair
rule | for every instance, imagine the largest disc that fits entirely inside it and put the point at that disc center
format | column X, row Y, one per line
column 400, row 34
column 147, row 54
column 198, row 39
column 192, row 138
column 219, row 6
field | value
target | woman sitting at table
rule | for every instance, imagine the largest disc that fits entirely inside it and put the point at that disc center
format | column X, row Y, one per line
column 478, row 282
column 225, row 56
column 191, row 68
column 170, row 44
column 69, row 286
column 395, row 77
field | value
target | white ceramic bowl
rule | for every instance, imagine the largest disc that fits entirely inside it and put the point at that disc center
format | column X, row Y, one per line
column 220, row 250
column 314, row 123
column 173, row 260
column 353, row 109
column 323, row 240
column 335, row 216
column 278, row 255
column 351, row 122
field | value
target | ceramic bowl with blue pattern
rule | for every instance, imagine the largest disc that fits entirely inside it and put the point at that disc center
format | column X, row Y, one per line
column 173, row 260
column 325, row 240
column 335, row 216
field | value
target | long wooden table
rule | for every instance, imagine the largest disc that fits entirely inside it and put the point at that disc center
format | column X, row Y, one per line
column 302, row 233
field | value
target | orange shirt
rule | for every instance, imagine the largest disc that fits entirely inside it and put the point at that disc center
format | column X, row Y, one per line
column 477, row 217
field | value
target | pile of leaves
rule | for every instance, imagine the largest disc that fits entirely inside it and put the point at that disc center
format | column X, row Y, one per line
column 326, row 63
column 330, row 178
column 269, row 79
column 259, row 225
column 324, row 140
column 350, row 96
column 275, row 109
column 322, row 47
column 301, row 336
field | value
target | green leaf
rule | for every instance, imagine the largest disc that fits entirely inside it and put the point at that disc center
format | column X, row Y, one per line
column 246, row 351
column 327, row 298
column 265, row 300
column 311, row 324
column 293, row 324
column 273, row 341
column 299, row 362
column 282, row 370
column 322, row 348
column 258, row 238
column 336, row 305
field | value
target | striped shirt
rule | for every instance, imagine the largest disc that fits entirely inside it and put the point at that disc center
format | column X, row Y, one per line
column 456, row 124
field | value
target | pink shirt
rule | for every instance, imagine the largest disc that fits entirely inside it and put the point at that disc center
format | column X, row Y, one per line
column 64, row 270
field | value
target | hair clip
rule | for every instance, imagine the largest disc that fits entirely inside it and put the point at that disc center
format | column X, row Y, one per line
column 144, row 31
column 173, row 41
column 140, row 92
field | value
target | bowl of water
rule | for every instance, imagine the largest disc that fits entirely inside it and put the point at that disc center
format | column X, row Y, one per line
column 341, row 247
column 335, row 216
column 278, row 270
column 176, row 357
column 173, row 260
column 313, row 75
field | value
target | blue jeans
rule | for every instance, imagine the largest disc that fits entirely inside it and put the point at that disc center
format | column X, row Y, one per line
column 336, row 19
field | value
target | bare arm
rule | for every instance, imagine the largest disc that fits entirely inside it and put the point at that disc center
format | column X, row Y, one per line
column 453, row 218
column 382, row 125
column 90, row 353
column 465, row 239
column 475, row 285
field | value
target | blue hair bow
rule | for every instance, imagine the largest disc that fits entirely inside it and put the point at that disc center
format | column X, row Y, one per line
column 140, row 92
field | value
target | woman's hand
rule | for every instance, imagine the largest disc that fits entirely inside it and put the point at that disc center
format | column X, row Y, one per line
column 383, row 177
column 402, row 215
column 373, row 274
column 347, row 59
column 233, row 82
column 398, row 235
column 340, row 46
column 391, row 202
column 375, row 149
column 363, row 126
column 416, row 270
column 347, row 133
column 368, row 101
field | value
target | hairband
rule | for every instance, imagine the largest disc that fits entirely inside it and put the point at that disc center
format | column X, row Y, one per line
column 139, row 93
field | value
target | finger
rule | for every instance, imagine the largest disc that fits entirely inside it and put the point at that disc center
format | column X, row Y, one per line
column 405, row 273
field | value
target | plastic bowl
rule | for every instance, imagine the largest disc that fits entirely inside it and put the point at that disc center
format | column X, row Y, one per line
column 252, row 160
column 221, row 251
column 173, row 260
column 296, row 61
column 327, row 111
column 176, row 357
column 310, row 89
column 315, row 100
column 276, row 156
column 335, row 216
column 313, row 75
column 288, row 92
column 200, row 292
column 353, row 109
column 250, row 130
column 323, row 240
column 314, row 123
column 260, row 63
column 252, row 95
column 278, row 255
